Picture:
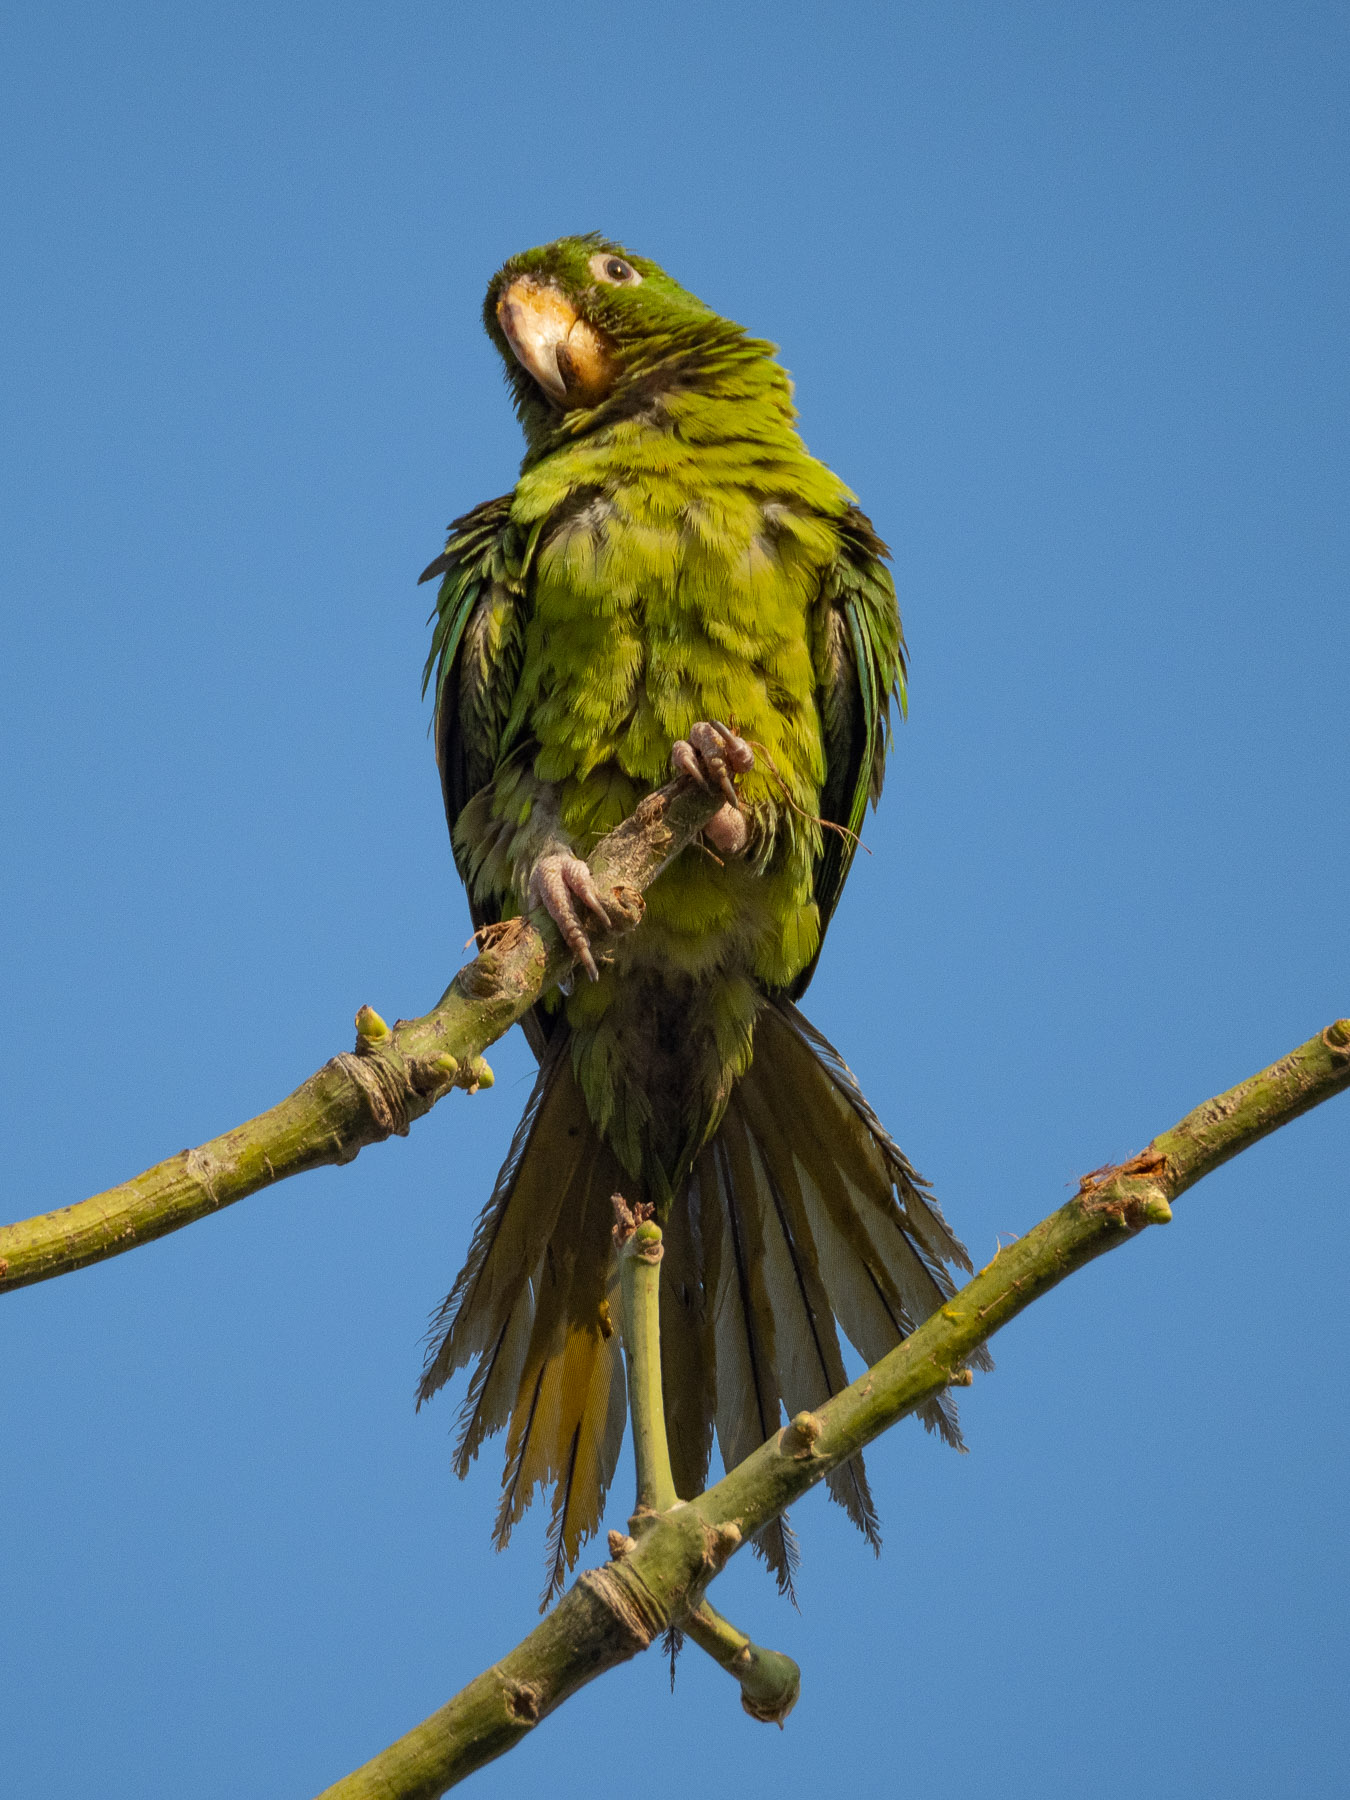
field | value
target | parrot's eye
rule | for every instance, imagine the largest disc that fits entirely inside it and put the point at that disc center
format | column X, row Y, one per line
column 614, row 271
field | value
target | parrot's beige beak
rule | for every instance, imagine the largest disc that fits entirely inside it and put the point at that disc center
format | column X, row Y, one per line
column 569, row 358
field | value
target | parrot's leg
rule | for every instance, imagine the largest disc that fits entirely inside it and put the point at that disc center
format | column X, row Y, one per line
column 557, row 881
column 712, row 755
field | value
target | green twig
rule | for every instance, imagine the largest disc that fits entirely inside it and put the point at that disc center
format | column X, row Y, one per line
column 659, row 1580
column 770, row 1682
column 637, row 1238
column 390, row 1079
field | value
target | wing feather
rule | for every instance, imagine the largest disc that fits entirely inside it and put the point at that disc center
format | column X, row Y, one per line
column 859, row 652
column 476, row 651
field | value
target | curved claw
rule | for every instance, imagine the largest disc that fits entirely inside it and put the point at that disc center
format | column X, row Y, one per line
column 555, row 883
column 684, row 760
column 737, row 752
column 712, row 755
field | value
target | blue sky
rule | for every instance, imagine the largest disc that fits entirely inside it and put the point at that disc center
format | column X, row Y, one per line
column 1063, row 290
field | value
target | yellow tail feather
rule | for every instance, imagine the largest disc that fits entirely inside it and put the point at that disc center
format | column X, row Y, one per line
column 800, row 1216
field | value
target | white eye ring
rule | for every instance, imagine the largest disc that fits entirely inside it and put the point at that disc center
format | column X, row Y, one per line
column 613, row 270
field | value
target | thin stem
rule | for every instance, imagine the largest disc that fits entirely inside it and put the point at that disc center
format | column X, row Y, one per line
column 1112, row 1206
column 390, row 1080
column 611, row 1613
column 770, row 1682
column 640, row 1253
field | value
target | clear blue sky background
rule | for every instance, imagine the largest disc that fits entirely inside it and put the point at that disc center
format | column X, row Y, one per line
column 1063, row 289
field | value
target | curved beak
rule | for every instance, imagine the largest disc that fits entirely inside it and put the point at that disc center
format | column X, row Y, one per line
column 568, row 357
column 536, row 321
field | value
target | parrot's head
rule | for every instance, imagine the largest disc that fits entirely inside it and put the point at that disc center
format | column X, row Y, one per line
column 589, row 332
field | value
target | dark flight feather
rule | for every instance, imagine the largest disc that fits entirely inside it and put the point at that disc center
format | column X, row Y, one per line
column 817, row 1372
column 748, row 1397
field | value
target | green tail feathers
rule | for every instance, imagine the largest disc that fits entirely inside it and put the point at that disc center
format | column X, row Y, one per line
column 800, row 1216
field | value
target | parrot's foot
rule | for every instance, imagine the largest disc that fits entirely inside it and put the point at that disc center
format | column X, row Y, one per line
column 712, row 755
column 555, row 883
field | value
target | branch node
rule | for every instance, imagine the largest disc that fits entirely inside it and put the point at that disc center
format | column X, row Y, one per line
column 627, row 1219
column 641, row 1520
column 962, row 1378
column 721, row 1542
column 627, row 902
column 799, row 1438
column 1108, row 1191
column 370, row 1028
column 200, row 1166
column 628, row 1601
column 501, row 934
column 771, row 1685
column 769, row 1681
column 620, row 1544
column 385, row 1092
column 481, row 978
column 649, row 811
column 647, row 1245
column 522, row 1702
column 1336, row 1037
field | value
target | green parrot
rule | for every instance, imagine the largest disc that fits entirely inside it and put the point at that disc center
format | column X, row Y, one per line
column 673, row 582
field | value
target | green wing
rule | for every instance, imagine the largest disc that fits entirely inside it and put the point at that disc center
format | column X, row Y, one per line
column 476, row 652
column 860, row 664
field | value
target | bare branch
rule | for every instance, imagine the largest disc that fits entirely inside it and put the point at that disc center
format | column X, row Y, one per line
column 770, row 1682
column 637, row 1240
column 659, row 1580
column 391, row 1078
